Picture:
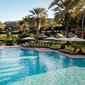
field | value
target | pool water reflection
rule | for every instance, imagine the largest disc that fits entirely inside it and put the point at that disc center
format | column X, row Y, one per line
column 17, row 63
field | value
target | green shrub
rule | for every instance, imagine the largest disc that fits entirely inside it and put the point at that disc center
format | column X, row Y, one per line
column 9, row 42
column 23, row 35
column 33, row 29
column 32, row 35
column 76, row 45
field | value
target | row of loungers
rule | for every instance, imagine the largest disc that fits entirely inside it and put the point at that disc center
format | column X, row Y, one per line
column 36, row 45
column 55, row 47
column 67, row 49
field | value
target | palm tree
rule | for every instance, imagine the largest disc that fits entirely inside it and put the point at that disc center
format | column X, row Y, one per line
column 83, row 25
column 21, row 24
column 43, row 21
column 61, row 4
column 37, row 13
column 76, row 5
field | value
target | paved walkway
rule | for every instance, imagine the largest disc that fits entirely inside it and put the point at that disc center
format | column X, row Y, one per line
column 46, row 49
column 4, row 45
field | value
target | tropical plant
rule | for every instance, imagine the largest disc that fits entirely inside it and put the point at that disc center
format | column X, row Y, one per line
column 33, row 29
column 23, row 35
column 38, row 13
column 61, row 4
column 32, row 35
column 76, row 5
column 2, row 26
column 21, row 25
column 43, row 21
column 52, row 23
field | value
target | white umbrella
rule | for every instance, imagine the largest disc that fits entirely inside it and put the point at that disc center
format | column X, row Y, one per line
column 28, row 38
column 42, row 36
column 70, row 35
column 50, row 38
column 62, row 38
column 76, row 39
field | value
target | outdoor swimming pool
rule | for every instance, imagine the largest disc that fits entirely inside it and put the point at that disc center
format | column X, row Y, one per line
column 30, row 67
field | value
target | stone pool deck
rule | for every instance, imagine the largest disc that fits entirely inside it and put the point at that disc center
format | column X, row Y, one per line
column 46, row 49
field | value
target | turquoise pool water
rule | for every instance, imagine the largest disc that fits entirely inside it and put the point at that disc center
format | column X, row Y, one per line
column 30, row 67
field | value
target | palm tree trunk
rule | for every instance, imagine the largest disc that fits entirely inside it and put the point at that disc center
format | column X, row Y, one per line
column 28, row 30
column 83, row 25
column 37, row 32
column 67, row 23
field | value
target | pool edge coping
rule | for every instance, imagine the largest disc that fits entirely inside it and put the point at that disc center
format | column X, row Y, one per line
column 77, row 56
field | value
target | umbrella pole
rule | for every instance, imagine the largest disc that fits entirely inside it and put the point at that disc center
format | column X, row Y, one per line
column 74, row 46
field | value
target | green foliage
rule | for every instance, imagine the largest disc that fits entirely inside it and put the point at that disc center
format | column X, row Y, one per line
column 9, row 41
column 78, row 42
column 32, row 35
column 21, row 22
column 53, row 31
column 2, row 25
column 23, row 35
column 62, row 32
column 52, row 23
column 40, row 12
column 50, row 34
column 33, row 29
column 56, row 35
column 76, row 45
column 13, row 23
column 9, row 33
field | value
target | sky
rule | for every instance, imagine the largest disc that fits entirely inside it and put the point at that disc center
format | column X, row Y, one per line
column 14, row 10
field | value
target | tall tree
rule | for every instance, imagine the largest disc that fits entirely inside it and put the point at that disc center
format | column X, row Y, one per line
column 2, row 26
column 76, row 5
column 61, row 4
column 38, row 13
column 21, row 23
column 83, row 25
column 43, row 21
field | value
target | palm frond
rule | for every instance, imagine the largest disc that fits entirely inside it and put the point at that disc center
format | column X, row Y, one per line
column 32, row 11
column 62, row 5
column 67, row 8
column 39, row 12
column 53, row 3
column 78, row 8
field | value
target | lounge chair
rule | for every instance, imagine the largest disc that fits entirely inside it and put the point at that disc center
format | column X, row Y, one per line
column 83, row 50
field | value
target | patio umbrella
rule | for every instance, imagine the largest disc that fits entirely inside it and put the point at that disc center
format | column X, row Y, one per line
column 62, row 38
column 42, row 36
column 70, row 35
column 28, row 38
column 50, row 38
column 76, row 39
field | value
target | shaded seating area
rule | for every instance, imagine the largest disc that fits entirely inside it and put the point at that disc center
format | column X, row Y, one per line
column 55, row 47
column 71, row 50
column 64, row 47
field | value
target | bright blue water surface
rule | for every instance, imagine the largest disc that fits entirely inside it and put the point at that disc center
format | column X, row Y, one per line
column 30, row 67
